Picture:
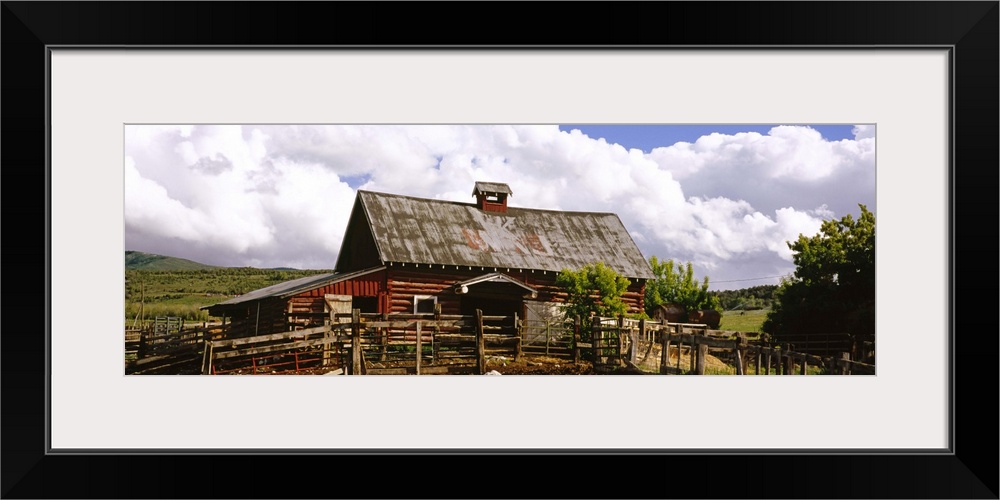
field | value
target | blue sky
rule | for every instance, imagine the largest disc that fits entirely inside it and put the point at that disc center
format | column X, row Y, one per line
column 647, row 137
column 726, row 198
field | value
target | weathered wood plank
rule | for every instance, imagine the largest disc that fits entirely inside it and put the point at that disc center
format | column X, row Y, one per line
column 702, row 358
column 356, row 364
column 389, row 371
column 703, row 340
column 411, row 323
column 480, row 345
column 253, row 351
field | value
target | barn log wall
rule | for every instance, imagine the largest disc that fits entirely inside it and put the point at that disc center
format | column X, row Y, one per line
column 405, row 282
column 403, row 285
column 396, row 288
column 307, row 308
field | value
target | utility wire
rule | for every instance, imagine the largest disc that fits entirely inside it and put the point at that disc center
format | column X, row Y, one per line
column 749, row 279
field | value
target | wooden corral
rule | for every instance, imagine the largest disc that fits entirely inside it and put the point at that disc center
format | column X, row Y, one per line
column 355, row 343
column 437, row 343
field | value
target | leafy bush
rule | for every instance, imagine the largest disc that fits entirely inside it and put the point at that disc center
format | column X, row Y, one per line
column 677, row 286
column 593, row 290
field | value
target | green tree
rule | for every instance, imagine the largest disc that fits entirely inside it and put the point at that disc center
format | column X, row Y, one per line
column 678, row 286
column 833, row 288
column 594, row 288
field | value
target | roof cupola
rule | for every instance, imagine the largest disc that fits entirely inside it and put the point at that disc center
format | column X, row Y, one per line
column 492, row 196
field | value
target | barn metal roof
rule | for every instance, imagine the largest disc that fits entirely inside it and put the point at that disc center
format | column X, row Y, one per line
column 491, row 187
column 424, row 231
column 289, row 288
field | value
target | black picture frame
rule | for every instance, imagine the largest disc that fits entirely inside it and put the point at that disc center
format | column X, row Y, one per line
column 969, row 28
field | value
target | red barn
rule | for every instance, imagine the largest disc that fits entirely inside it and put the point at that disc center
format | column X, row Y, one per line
column 402, row 254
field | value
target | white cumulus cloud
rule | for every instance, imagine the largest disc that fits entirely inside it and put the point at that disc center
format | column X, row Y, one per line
column 280, row 195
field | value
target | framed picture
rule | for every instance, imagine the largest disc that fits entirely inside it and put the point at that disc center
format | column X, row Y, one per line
column 924, row 74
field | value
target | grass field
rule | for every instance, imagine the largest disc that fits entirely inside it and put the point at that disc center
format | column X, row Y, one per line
column 743, row 321
column 182, row 293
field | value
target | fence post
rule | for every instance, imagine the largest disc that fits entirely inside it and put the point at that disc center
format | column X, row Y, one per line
column 206, row 366
column 665, row 351
column 141, row 351
column 595, row 333
column 576, row 339
column 356, row 342
column 787, row 362
column 843, row 363
column 546, row 336
column 680, row 345
column 619, row 327
column 518, row 327
column 694, row 353
column 480, row 343
column 633, row 355
column 437, row 330
column 702, row 358
column 805, row 364
column 517, row 335
column 741, row 368
column 420, row 346
column 327, row 348
column 383, row 337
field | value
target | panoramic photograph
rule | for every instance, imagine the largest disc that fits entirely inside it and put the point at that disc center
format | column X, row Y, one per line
column 472, row 249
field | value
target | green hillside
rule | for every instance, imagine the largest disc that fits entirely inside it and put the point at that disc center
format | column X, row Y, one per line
column 152, row 262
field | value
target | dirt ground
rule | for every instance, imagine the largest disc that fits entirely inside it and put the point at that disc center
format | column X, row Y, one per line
column 544, row 365
column 652, row 360
column 537, row 365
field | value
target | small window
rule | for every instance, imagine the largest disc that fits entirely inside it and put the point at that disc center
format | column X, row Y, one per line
column 424, row 304
column 366, row 304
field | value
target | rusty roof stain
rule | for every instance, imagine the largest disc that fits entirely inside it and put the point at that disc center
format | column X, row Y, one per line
column 424, row 231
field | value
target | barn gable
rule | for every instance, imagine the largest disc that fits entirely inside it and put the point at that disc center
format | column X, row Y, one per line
column 418, row 231
column 358, row 249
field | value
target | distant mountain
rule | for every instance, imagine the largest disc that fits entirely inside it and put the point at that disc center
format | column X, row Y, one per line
column 152, row 262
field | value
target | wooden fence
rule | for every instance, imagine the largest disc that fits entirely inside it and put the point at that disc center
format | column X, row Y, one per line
column 453, row 344
column 747, row 354
column 399, row 344
column 387, row 344
column 152, row 351
column 548, row 337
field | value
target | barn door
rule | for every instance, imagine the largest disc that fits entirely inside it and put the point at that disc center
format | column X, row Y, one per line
column 337, row 304
column 333, row 305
